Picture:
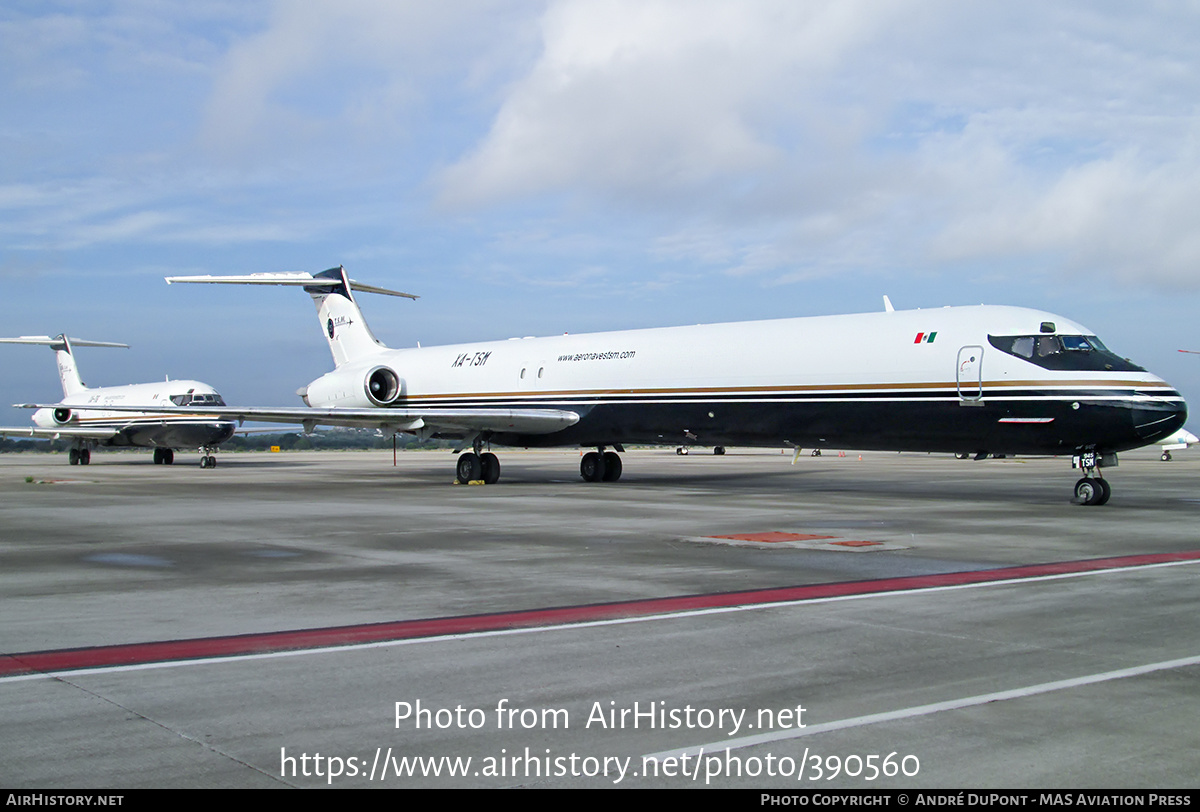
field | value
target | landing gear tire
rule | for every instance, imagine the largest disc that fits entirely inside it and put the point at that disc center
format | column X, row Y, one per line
column 1166, row 456
column 73, row 456
column 719, row 450
column 85, row 456
column 1092, row 491
column 168, row 456
column 208, row 461
column 816, row 452
column 592, row 467
column 489, row 468
column 469, row 468
column 682, row 451
column 612, row 466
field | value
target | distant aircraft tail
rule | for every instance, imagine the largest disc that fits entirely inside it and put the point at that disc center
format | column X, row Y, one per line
column 68, row 371
column 341, row 319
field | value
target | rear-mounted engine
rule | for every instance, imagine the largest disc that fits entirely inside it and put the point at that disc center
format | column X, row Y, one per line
column 382, row 386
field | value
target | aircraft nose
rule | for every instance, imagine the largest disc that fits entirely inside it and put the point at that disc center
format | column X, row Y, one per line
column 1162, row 418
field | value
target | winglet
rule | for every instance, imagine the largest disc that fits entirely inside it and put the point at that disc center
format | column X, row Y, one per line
column 887, row 304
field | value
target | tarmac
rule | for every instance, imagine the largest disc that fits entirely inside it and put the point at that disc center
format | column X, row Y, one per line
column 873, row 620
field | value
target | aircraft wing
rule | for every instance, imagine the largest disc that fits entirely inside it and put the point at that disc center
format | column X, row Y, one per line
column 57, row 432
column 427, row 421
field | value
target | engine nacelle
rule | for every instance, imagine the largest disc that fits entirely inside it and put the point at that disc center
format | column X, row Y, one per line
column 351, row 388
column 382, row 386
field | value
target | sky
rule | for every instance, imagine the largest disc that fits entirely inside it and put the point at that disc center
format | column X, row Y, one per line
column 532, row 168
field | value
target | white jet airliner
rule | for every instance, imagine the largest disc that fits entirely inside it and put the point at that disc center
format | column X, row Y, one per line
column 1177, row 442
column 85, row 416
column 983, row 380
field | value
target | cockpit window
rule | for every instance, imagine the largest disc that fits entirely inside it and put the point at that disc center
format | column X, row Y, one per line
column 197, row 400
column 1082, row 353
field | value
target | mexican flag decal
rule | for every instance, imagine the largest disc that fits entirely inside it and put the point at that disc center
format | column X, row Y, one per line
column 925, row 338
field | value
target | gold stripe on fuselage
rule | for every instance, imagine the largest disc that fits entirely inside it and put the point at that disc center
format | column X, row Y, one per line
column 949, row 386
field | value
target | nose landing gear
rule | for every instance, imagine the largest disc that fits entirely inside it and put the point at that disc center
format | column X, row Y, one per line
column 1093, row 489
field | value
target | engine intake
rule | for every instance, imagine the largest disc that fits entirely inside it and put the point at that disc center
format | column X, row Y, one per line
column 63, row 416
column 382, row 386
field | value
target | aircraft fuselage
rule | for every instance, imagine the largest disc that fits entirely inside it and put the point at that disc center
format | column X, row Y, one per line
column 958, row 379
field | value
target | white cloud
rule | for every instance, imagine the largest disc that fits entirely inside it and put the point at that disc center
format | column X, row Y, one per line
column 655, row 98
column 326, row 75
column 802, row 139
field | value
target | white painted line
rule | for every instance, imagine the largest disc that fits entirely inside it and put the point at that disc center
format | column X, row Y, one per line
column 925, row 710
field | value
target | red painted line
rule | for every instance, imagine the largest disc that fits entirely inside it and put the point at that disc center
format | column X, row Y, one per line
column 246, row 644
column 773, row 536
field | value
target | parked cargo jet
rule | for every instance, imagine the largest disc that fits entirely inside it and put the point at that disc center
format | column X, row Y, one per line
column 89, row 417
column 983, row 380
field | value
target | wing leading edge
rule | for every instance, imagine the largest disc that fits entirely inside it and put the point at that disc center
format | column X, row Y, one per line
column 57, row 432
column 426, row 421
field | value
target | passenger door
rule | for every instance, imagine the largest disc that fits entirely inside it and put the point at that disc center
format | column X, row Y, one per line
column 970, row 374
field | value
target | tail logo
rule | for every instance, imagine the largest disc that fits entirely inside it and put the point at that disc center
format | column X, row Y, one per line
column 340, row 321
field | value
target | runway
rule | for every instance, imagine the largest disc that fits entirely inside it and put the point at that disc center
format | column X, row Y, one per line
column 327, row 619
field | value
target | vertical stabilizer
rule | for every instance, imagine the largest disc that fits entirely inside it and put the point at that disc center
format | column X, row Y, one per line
column 341, row 319
column 349, row 337
column 68, row 372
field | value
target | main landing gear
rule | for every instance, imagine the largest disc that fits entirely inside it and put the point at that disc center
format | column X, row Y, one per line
column 600, row 466
column 79, row 456
column 483, row 467
column 472, row 466
column 1092, row 489
column 166, row 456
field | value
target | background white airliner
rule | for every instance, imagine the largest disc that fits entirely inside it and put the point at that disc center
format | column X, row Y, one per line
column 1177, row 442
column 981, row 380
column 84, row 417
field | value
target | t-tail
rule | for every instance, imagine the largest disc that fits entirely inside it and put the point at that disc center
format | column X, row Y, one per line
column 342, row 322
column 68, row 370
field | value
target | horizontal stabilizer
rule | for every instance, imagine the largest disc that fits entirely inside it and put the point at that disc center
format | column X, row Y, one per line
column 57, row 342
column 299, row 279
